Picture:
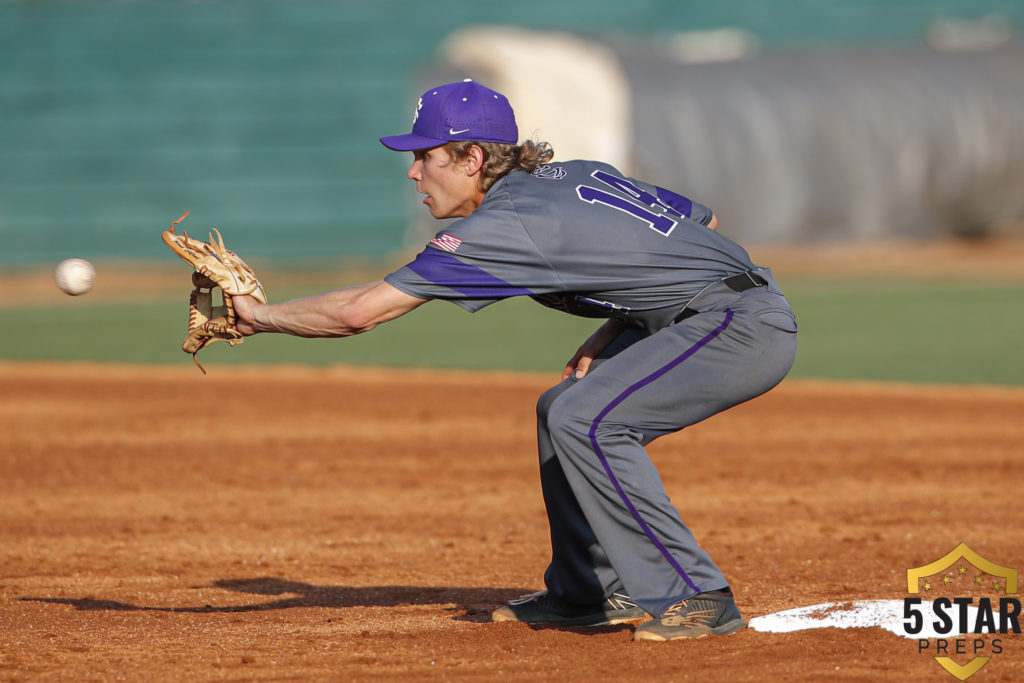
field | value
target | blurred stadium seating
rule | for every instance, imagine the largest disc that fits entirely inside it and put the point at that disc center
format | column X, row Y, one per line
column 261, row 117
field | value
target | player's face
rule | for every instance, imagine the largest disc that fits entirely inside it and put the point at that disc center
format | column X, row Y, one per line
column 451, row 190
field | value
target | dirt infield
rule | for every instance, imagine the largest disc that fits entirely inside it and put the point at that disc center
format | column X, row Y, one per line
column 356, row 524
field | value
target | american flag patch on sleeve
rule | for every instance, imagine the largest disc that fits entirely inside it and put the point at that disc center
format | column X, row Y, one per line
column 446, row 242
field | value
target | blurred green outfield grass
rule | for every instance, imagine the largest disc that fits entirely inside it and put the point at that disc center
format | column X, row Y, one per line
column 915, row 331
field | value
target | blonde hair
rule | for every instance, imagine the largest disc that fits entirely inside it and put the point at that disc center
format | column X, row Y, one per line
column 501, row 159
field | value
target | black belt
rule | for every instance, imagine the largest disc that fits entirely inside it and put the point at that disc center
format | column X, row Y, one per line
column 744, row 281
column 737, row 283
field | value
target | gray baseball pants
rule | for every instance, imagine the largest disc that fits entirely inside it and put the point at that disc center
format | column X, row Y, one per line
column 612, row 524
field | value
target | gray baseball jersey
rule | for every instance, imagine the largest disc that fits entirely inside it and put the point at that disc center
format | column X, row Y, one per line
column 580, row 237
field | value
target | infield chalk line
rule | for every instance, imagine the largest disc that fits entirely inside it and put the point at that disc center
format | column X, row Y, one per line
column 886, row 614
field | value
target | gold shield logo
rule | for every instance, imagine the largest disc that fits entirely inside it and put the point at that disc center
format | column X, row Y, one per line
column 952, row 567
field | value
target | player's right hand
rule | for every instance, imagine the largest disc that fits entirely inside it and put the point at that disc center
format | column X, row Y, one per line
column 579, row 365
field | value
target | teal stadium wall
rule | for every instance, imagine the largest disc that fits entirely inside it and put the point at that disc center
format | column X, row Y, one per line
column 262, row 117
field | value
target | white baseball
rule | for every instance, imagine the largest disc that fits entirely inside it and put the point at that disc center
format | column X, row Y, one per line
column 75, row 276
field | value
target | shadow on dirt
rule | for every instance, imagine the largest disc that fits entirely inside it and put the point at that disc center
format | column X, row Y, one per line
column 468, row 604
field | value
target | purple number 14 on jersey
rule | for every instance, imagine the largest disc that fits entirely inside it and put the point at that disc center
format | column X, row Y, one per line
column 658, row 216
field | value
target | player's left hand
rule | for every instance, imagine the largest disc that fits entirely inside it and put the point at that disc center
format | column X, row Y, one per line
column 244, row 313
column 214, row 267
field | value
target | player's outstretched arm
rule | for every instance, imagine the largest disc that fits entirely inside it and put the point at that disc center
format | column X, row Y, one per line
column 339, row 313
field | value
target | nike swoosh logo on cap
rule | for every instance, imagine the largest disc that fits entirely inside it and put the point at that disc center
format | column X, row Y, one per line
column 452, row 131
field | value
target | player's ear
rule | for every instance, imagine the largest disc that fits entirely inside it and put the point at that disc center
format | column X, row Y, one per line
column 474, row 159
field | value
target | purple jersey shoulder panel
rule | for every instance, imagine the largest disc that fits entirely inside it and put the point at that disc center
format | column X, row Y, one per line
column 446, row 269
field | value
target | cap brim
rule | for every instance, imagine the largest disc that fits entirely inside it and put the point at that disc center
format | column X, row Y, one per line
column 410, row 142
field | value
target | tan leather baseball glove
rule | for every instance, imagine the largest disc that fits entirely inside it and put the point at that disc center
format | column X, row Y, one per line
column 215, row 268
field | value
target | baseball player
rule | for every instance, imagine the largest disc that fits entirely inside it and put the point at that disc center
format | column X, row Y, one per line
column 691, row 327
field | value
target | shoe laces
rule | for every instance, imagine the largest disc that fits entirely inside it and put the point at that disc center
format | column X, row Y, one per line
column 620, row 601
column 531, row 597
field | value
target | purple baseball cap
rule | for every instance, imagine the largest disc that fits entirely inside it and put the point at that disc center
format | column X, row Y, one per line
column 458, row 111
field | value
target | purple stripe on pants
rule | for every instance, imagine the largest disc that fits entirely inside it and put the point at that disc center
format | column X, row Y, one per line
column 604, row 461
